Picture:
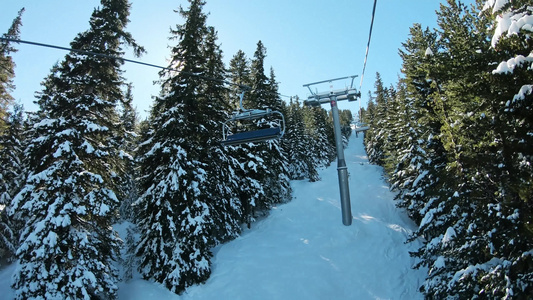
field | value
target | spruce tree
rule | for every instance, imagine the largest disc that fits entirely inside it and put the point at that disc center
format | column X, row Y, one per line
column 263, row 170
column 322, row 148
column 67, row 247
column 510, row 33
column 264, row 94
column 129, row 191
column 297, row 143
column 248, row 166
column 223, row 184
column 7, row 67
column 11, row 180
column 239, row 75
column 176, row 217
column 278, row 163
column 461, row 170
column 376, row 136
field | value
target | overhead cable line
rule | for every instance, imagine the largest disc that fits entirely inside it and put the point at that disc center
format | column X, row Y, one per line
column 367, row 47
column 85, row 52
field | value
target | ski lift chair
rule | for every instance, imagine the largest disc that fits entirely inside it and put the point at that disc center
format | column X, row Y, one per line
column 361, row 127
column 250, row 115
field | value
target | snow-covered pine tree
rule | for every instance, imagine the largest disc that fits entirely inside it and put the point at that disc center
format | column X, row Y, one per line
column 7, row 67
column 257, row 161
column 413, row 164
column 67, row 247
column 376, row 136
column 468, row 204
column 279, row 183
column 175, row 217
column 345, row 116
column 248, row 166
column 321, row 149
column 239, row 74
column 223, row 184
column 264, row 94
column 10, row 143
column 511, row 26
column 129, row 191
column 12, row 175
column 296, row 142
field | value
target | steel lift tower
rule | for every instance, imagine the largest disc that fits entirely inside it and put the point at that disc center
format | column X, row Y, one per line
column 332, row 97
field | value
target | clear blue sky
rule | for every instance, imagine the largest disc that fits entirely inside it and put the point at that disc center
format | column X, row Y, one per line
column 306, row 40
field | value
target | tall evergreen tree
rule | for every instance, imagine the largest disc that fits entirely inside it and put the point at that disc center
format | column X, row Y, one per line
column 239, row 74
column 248, row 166
column 129, row 190
column 264, row 94
column 223, row 184
column 11, row 180
column 7, row 68
column 302, row 161
column 175, row 216
column 317, row 127
column 462, row 170
column 67, row 247
column 376, row 136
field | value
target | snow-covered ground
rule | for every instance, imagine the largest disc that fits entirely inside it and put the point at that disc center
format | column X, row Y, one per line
column 303, row 251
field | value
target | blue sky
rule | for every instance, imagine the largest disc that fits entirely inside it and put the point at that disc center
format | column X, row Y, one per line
column 306, row 41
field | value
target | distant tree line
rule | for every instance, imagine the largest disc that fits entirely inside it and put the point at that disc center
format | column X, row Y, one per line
column 455, row 139
column 84, row 161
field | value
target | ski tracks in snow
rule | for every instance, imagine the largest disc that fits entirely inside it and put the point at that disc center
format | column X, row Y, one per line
column 302, row 250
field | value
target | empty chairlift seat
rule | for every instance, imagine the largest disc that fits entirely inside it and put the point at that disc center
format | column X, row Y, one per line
column 260, row 135
column 274, row 118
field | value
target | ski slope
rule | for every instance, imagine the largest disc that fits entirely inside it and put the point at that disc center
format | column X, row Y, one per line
column 303, row 251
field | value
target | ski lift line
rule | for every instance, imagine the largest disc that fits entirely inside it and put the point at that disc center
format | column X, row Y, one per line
column 368, row 44
column 85, row 52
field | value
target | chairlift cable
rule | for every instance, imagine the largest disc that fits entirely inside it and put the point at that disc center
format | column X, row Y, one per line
column 85, row 52
column 367, row 47
column 241, row 86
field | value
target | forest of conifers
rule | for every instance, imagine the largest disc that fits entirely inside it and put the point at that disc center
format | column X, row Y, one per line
column 454, row 136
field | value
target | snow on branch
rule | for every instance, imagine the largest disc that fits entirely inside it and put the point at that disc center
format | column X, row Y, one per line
column 508, row 66
column 509, row 21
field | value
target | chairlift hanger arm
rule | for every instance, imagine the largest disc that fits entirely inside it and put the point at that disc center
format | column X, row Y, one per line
column 330, row 80
column 316, row 99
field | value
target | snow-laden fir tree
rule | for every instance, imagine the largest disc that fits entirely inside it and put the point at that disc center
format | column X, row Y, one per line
column 176, row 217
column 67, row 246
column 11, row 172
column 377, row 136
column 12, row 175
column 420, row 157
column 264, row 94
column 512, row 25
column 463, row 170
column 278, row 163
column 222, row 167
column 318, row 126
column 302, row 162
column 128, row 186
column 7, row 67
column 248, row 166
